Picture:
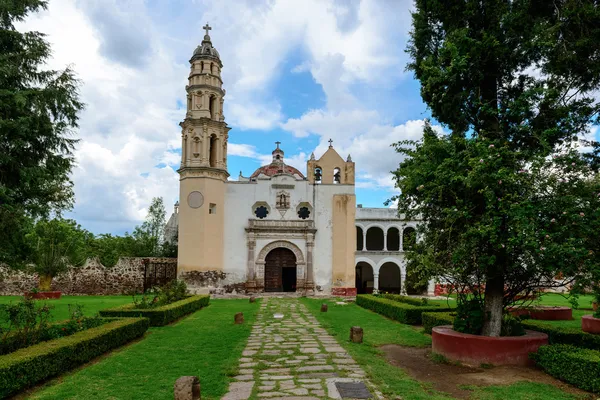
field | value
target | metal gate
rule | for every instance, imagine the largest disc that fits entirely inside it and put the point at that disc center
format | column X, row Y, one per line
column 158, row 272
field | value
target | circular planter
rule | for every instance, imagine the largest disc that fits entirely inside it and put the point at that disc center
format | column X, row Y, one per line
column 477, row 350
column 544, row 313
column 590, row 324
column 43, row 295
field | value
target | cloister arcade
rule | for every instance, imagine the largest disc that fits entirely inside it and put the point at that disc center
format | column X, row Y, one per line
column 382, row 238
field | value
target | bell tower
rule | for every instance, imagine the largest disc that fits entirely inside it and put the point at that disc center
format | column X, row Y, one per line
column 203, row 171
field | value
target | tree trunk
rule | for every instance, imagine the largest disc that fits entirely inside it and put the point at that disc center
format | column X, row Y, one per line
column 494, row 296
column 45, row 283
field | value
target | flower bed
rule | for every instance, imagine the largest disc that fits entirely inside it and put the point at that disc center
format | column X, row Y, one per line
column 402, row 312
column 577, row 366
column 28, row 366
column 590, row 324
column 163, row 315
column 563, row 335
column 43, row 295
column 544, row 313
column 477, row 350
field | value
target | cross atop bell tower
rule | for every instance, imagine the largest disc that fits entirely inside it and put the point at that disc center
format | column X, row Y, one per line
column 206, row 28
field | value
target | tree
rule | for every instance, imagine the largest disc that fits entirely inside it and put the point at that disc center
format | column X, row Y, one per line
column 38, row 112
column 513, row 81
column 150, row 235
column 54, row 245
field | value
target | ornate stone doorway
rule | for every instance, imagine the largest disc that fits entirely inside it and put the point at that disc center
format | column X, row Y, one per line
column 280, row 271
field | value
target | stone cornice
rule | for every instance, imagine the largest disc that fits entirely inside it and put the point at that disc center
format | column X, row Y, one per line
column 202, row 172
column 258, row 226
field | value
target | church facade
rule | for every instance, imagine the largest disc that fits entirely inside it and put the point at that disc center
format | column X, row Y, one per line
column 275, row 230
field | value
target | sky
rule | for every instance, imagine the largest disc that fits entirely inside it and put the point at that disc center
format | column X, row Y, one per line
column 296, row 71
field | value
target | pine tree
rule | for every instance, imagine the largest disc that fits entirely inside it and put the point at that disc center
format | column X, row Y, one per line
column 38, row 114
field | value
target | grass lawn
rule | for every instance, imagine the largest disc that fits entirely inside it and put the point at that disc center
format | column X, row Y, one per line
column 206, row 344
column 393, row 381
column 91, row 304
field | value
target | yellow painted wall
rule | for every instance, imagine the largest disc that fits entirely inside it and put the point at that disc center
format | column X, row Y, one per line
column 343, row 240
column 200, row 233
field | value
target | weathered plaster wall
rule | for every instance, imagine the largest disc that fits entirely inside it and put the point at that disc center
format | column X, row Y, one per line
column 92, row 278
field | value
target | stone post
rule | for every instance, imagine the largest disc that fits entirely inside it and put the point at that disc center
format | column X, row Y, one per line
column 356, row 334
column 187, row 388
column 239, row 318
column 402, row 281
column 252, row 299
column 323, row 307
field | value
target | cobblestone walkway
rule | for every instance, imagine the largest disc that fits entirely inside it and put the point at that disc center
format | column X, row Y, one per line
column 292, row 357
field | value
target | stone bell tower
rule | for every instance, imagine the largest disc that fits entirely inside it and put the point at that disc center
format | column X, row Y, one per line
column 203, row 172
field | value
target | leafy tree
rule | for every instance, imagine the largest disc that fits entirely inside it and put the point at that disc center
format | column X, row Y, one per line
column 54, row 245
column 151, row 233
column 38, row 112
column 507, row 202
column 109, row 248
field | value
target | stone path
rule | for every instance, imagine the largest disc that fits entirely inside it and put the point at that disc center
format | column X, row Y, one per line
column 292, row 358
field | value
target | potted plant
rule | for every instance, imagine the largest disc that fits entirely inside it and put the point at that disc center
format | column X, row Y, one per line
column 54, row 245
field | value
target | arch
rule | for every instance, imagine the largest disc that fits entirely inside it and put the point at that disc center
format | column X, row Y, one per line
column 359, row 238
column 212, row 151
column 375, row 238
column 280, row 270
column 390, row 277
column 318, row 174
column 337, row 176
column 409, row 238
column 280, row 243
column 364, row 281
column 393, row 239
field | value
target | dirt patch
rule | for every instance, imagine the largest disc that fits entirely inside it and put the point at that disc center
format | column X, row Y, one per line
column 451, row 379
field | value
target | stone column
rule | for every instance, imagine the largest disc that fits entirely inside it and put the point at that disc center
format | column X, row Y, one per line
column 403, row 280
column 402, row 240
column 310, row 244
column 375, row 283
column 364, row 240
column 431, row 288
column 384, row 240
column 251, row 275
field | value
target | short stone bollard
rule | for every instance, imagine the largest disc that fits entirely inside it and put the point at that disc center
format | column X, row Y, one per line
column 239, row 318
column 252, row 299
column 323, row 307
column 187, row 388
column 356, row 334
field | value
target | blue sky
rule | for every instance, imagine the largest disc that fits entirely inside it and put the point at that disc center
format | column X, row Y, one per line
column 296, row 71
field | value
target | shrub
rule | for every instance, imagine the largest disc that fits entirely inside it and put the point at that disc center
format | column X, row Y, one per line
column 408, row 300
column 469, row 317
column 433, row 319
column 563, row 335
column 402, row 312
column 26, row 367
column 161, row 315
column 171, row 292
column 577, row 366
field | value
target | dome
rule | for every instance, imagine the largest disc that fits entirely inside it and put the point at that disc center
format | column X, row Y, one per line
column 206, row 48
column 277, row 166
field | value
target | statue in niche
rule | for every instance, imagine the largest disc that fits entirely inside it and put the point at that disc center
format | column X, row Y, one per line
column 283, row 200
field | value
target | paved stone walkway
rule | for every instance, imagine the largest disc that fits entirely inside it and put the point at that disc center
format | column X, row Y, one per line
column 292, row 358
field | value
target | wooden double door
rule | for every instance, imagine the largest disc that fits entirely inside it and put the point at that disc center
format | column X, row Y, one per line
column 280, row 271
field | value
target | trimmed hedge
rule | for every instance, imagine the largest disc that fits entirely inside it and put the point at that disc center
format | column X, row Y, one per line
column 577, row 366
column 562, row 335
column 28, row 366
column 401, row 312
column 433, row 319
column 163, row 315
column 420, row 302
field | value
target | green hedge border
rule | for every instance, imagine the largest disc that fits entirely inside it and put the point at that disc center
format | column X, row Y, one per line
column 433, row 319
column 414, row 301
column 564, row 335
column 401, row 312
column 577, row 366
column 28, row 366
column 160, row 316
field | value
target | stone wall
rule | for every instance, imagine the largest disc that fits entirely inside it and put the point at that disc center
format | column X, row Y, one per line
column 92, row 278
